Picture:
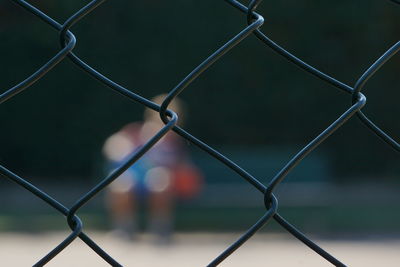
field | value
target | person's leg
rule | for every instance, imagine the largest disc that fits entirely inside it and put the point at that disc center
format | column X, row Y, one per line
column 122, row 207
column 161, row 214
column 161, row 203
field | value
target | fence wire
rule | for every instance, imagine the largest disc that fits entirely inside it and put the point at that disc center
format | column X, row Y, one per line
column 169, row 117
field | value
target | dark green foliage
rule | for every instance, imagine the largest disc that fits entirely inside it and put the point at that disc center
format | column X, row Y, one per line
column 57, row 127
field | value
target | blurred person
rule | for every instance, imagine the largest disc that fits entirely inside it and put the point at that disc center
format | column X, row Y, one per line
column 164, row 173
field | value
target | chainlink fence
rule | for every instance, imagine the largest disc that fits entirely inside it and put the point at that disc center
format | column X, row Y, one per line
column 254, row 22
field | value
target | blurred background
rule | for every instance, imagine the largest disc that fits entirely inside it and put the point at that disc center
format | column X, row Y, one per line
column 252, row 105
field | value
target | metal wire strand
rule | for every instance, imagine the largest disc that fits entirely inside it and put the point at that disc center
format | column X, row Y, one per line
column 254, row 20
column 325, row 77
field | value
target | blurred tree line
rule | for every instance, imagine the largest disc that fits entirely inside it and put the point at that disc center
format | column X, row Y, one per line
column 251, row 97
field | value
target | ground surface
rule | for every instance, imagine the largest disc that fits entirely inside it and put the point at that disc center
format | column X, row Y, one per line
column 17, row 249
